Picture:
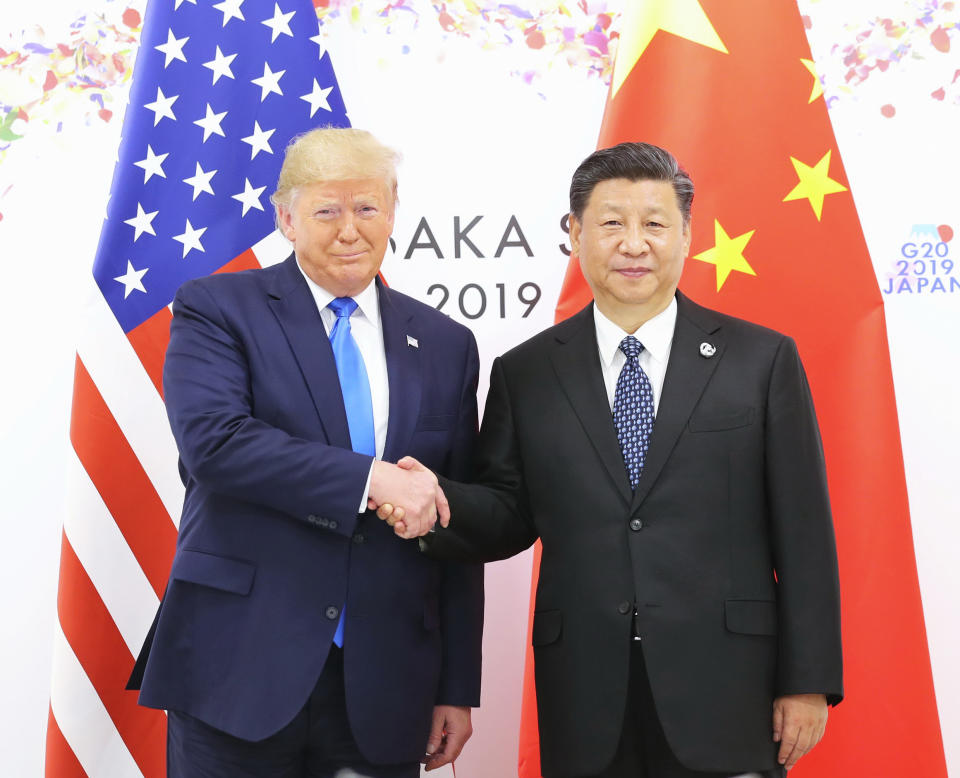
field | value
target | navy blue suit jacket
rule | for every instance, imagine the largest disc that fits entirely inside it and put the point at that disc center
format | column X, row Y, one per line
column 271, row 544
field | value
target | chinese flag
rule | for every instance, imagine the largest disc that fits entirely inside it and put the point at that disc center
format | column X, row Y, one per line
column 730, row 89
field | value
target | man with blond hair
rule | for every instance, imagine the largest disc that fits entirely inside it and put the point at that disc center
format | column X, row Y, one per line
column 298, row 636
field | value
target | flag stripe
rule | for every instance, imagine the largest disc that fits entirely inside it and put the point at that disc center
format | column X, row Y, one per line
column 119, row 478
column 127, row 389
column 60, row 760
column 149, row 341
column 107, row 661
column 102, row 550
column 81, row 716
column 247, row 260
column 272, row 249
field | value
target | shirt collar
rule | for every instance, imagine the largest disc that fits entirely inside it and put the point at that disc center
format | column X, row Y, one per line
column 656, row 334
column 368, row 301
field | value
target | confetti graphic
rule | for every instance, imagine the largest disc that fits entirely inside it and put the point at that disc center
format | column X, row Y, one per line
column 82, row 77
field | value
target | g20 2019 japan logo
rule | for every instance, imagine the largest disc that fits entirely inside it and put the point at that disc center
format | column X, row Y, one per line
column 925, row 264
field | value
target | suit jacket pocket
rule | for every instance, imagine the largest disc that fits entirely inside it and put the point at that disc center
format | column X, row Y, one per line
column 751, row 617
column 710, row 422
column 217, row 572
column 547, row 626
column 435, row 422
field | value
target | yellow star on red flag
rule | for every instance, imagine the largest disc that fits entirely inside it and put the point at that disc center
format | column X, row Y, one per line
column 727, row 254
column 815, row 183
column 642, row 20
column 817, row 89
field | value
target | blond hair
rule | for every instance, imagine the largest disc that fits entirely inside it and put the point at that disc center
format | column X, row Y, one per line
column 334, row 154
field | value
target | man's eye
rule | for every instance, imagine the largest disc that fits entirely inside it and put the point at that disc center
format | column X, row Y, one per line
column 611, row 223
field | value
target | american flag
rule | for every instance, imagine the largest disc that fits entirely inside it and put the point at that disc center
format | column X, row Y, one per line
column 219, row 89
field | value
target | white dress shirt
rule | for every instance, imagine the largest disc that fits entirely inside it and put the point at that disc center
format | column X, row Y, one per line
column 656, row 335
column 367, row 331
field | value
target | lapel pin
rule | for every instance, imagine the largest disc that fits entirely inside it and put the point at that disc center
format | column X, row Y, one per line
column 707, row 350
column 412, row 341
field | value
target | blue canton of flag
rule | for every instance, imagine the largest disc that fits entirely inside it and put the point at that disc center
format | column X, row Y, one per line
column 219, row 90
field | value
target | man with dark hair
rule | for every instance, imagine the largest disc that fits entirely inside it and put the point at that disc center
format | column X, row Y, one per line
column 687, row 618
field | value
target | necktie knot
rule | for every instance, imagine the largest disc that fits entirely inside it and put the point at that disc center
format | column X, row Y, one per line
column 343, row 307
column 631, row 347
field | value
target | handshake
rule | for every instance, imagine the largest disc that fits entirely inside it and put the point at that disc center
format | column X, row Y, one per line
column 407, row 496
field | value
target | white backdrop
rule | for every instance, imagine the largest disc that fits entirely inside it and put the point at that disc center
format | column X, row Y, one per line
column 491, row 129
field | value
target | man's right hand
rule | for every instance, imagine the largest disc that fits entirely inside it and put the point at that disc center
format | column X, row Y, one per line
column 411, row 494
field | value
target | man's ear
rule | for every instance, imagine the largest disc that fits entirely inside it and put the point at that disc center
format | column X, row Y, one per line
column 285, row 222
column 575, row 229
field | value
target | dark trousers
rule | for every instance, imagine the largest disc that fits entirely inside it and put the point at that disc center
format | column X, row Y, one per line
column 643, row 751
column 316, row 744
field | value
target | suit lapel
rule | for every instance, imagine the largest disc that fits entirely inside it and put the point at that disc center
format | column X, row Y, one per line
column 577, row 364
column 688, row 372
column 403, row 371
column 296, row 310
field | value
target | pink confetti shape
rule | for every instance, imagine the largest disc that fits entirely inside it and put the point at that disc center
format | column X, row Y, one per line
column 940, row 40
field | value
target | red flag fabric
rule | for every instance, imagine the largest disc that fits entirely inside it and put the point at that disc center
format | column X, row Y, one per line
column 731, row 90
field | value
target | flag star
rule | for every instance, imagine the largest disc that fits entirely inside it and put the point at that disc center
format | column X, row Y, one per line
column 317, row 98
column 178, row 3
column 683, row 18
column 727, row 254
column 173, row 48
column 200, row 181
column 220, row 65
column 268, row 82
column 162, row 107
column 190, row 238
column 250, row 197
column 817, row 89
column 230, row 10
column 211, row 123
column 132, row 279
column 142, row 222
column 259, row 141
column 319, row 40
column 815, row 183
column 280, row 23
column 152, row 165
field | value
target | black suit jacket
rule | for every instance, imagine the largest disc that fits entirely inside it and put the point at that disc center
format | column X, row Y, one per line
column 726, row 549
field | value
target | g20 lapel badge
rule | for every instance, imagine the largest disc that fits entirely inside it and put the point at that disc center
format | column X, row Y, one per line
column 707, row 350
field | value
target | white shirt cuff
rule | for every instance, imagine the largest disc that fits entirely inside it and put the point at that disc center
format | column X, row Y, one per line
column 366, row 489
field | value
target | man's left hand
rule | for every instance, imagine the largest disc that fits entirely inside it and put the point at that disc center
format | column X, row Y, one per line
column 798, row 724
column 451, row 728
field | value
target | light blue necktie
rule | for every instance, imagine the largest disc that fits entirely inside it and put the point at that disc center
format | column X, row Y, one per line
column 633, row 410
column 355, row 388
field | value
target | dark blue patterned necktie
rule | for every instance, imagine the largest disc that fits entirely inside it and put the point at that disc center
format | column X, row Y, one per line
column 633, row 410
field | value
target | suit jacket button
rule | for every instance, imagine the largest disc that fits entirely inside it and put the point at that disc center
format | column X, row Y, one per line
column 636, row 525
column 359, row 538
column 625, row 608
column 332, row 612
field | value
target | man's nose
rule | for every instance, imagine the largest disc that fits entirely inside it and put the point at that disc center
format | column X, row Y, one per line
column 634, row 241
column 348, row 229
